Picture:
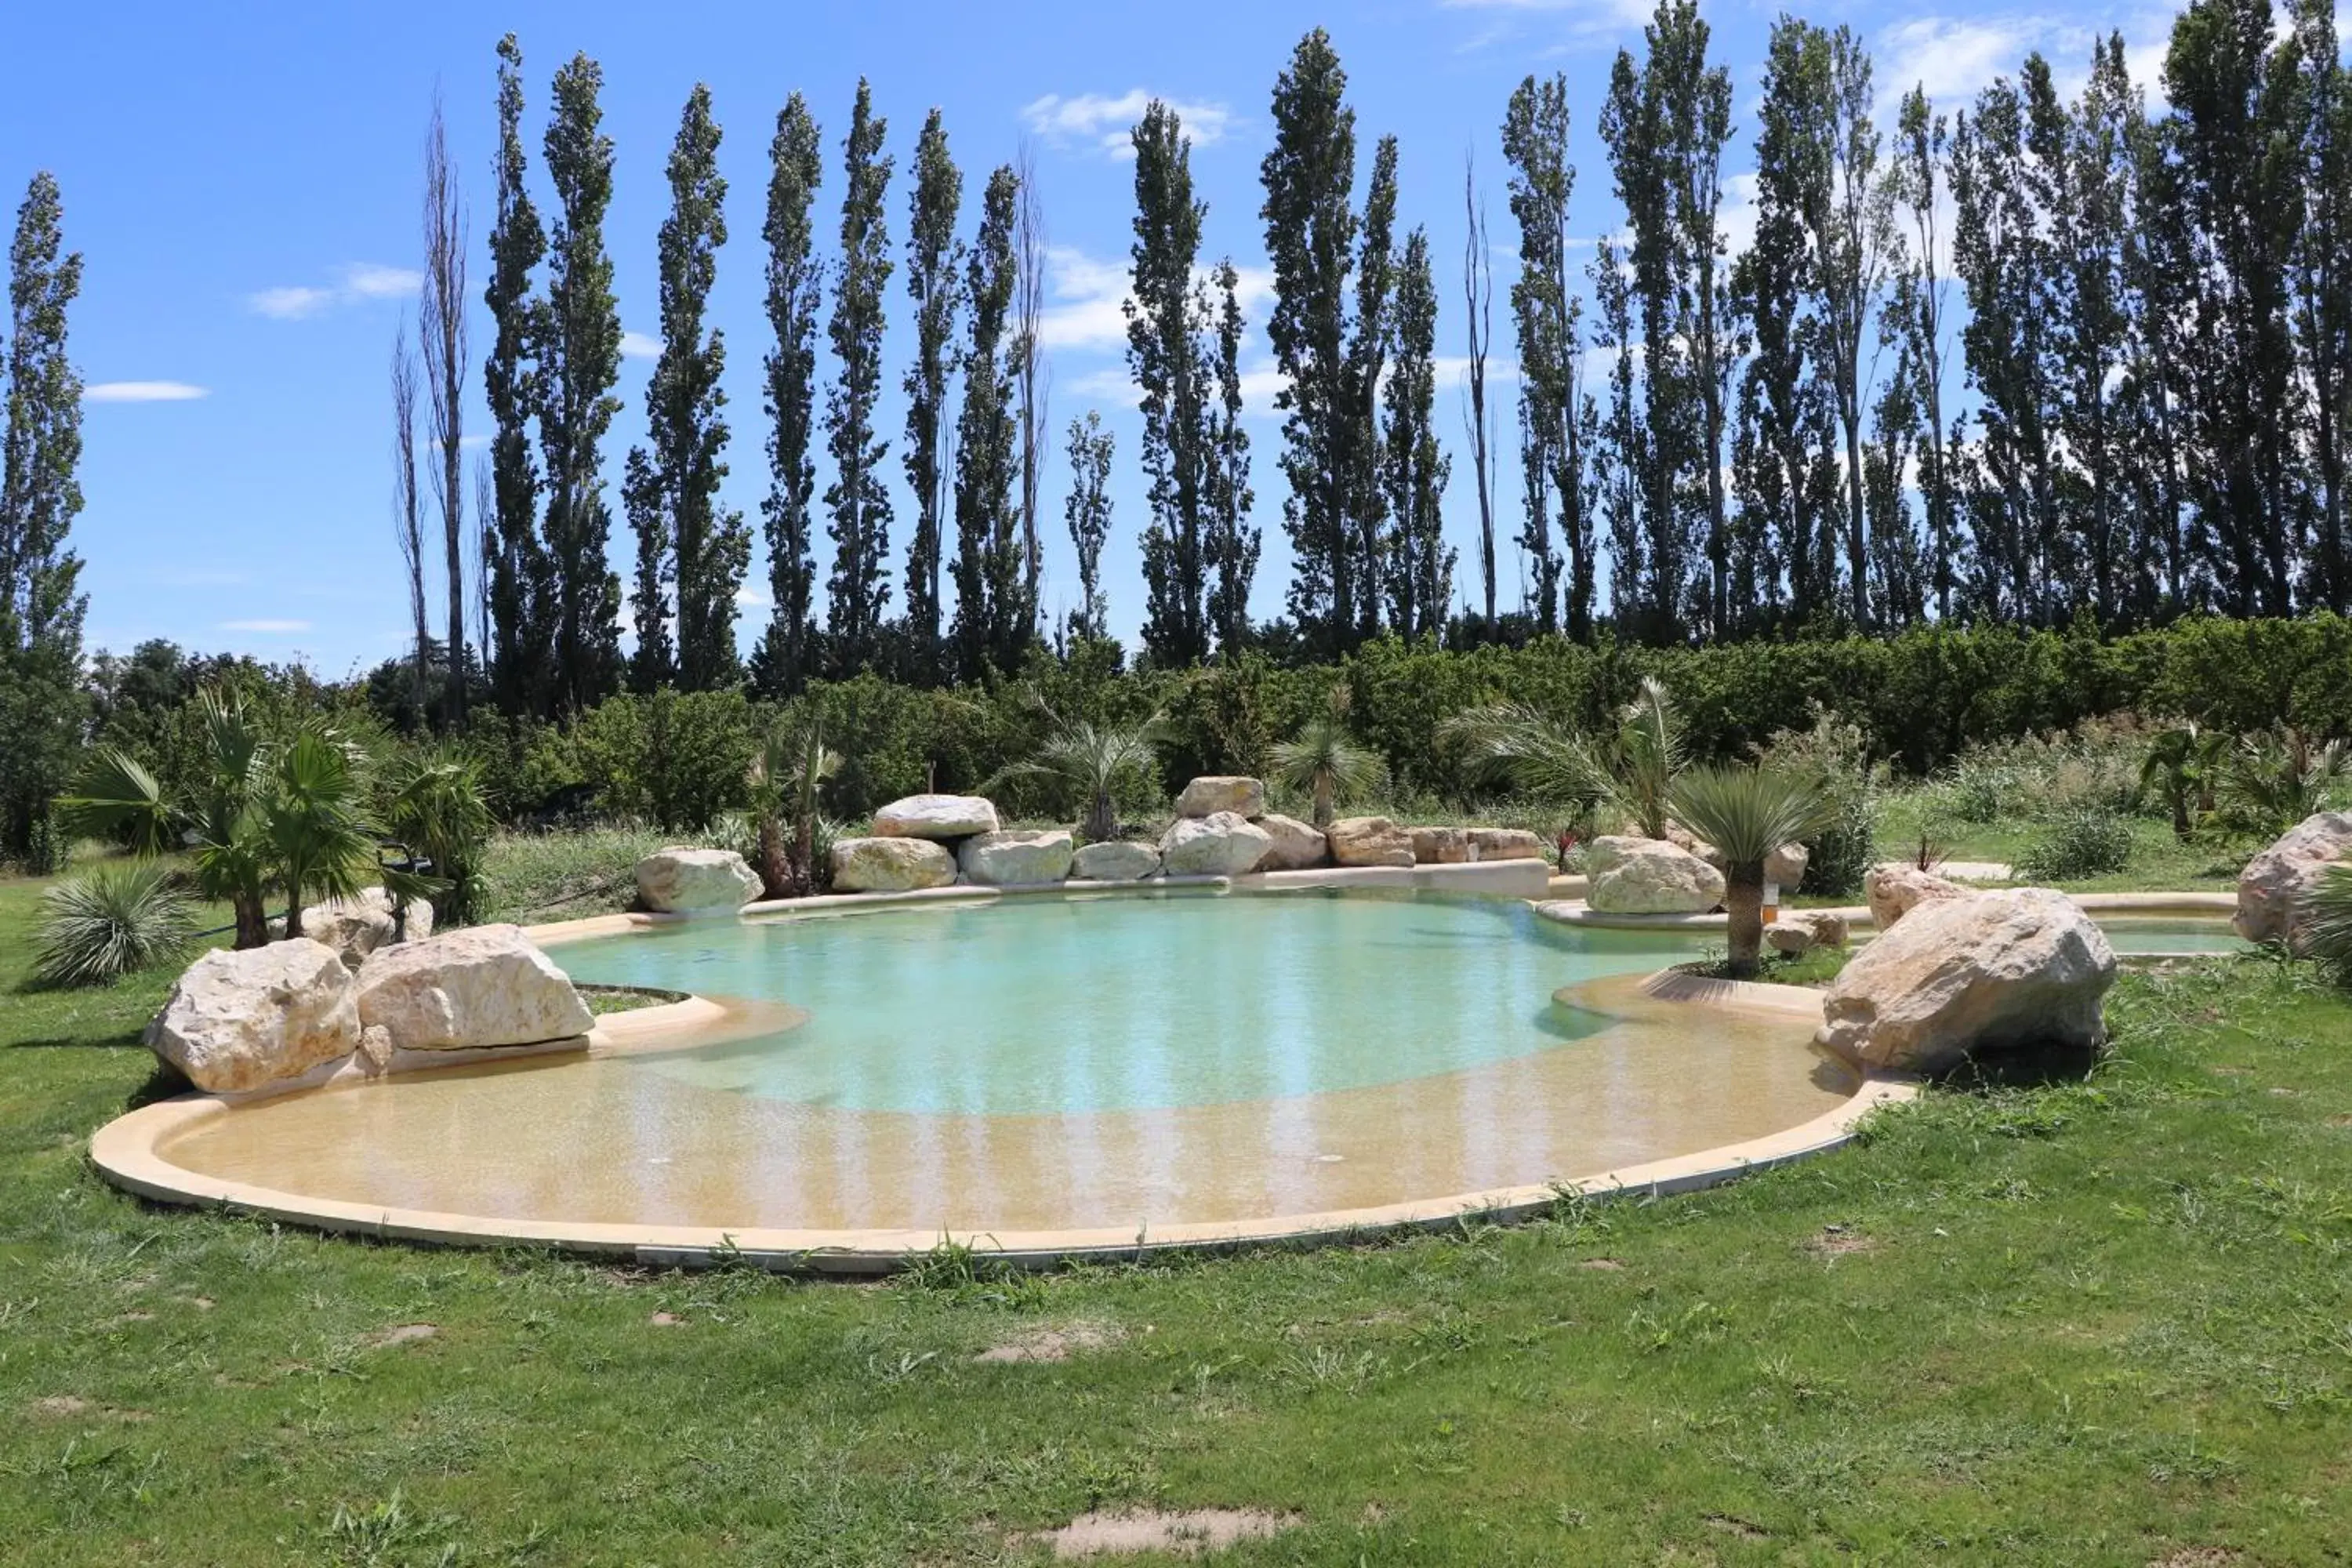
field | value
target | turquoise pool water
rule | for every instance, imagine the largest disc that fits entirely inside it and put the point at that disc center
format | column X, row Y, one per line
column 1026, row 1007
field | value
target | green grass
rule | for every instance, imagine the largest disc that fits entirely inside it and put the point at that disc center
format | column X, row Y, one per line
column 2093, row 1324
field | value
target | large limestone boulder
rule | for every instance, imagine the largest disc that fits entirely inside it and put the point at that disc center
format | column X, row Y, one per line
column 1505, row 844
column 1629, row 875
column 1439, row 846
column 1785, row 867
column 357, row 926
column 935, row 816
column 696, row 881
column 1296, row 845
column 890, row 865
column 1985, row 972
column 2277, row 884
column 1800, row 931
column 1114, row 861
column 1016, row 860
column 1895, row 890
column 1222, row 844
column 475, row 989
column 1369, row 841
column 1214, row 793
column 236, row 1021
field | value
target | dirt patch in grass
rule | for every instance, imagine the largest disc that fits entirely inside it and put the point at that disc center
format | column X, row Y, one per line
column 1739, row 1527
column 1605, row 1265
column 1837, row 1241
column 1052, row 1341
column 401, row 1334
column 2195, row 1557
column 1134, row 1531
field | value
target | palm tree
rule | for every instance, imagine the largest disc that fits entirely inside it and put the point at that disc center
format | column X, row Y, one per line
column 1649, row 755
column 1746, row 814
column 792, row 762
column 1547, row 760
column 433, row 803
column 1328, row 760
column 2180, row 764
column 2274, row 782
column 1093, row 759
column 314, row 821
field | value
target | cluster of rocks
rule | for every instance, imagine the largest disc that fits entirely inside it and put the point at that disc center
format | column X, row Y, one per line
column 1223, row 828
column 1628, row 875
column 357, row 926
column 242, row 1020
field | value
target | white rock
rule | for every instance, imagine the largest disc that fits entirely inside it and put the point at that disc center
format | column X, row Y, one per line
column 1114, row 861
column 1983, row 972
column 1629, row 875
column 2276, row 884
column 1799, row 931
column 935, row 816
column 1214, row 793
column 1439, row 846
column 695, row 881
column 1893, row 890
column 1505, row 844
column 1785, row 867
column 1017, row 858
column 890, row 865
column 1222, row 844
column 473, row 989
column 1369, row 841
column 1296, row 847
column 357, row 926
column 236, row 1021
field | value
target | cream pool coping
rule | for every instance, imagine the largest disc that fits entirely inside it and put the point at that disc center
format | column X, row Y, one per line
column 125, row 1150
column 1575, row 911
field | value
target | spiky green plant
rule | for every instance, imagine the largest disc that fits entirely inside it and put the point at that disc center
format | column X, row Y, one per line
column 2179, row 767
column 1327, row 762
column 792, row 766
column 2328, row 925
column 433, row 803
column 1746, row 814
column 1528, row 750
column 1092, row 760
column 1649, row 756
column 112, row 921
column 2272, row 782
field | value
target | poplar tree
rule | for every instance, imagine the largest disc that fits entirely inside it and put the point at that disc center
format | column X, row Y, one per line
column 1413, row 471
column 932, row 284
column 1368, row 347
column 1086, row 512
column 41, row 608
column 441, row 327
column 1478, row 317
column 858, row 591
column 522, row 575
column 580, row 362
column 994, row 620
column 795, row 281
column 1853, row 235
column 1233, row 544
column 1921, row 139
column 1168, row 358
column 1546, row 311
column 684, row 538
column 2323, row 287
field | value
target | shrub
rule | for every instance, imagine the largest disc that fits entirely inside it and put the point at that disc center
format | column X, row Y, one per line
column 2085, row 841
column 2328, row 936
column 1840, row 852
column 113, row 921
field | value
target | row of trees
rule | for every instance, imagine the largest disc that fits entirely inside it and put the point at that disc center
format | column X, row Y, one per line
column 2115, row 388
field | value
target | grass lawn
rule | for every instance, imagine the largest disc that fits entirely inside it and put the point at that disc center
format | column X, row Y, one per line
column 2103, row 1324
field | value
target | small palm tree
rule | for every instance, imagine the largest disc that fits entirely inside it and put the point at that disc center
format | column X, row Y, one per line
column 791, row 763
column 434, row 804
column 1327, row 761
column 2180, row 765
column 1547, row 760
column 2272, row 782
column 1746, row 814
column 1093, row 759
column 314, row 821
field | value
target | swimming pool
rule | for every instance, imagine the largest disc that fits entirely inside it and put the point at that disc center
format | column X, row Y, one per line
column 1131, row 1065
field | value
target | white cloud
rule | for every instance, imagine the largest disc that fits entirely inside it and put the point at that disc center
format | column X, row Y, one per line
column 1087, row 295
column 1956, row 57
column 1582, row 23
column 1091, row 117
column 752, row 598
column 360, row 281
column 143, row 391
column 270, row 628
column 640, row 345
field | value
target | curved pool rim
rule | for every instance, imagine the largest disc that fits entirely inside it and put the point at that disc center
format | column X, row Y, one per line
column 126, row 1150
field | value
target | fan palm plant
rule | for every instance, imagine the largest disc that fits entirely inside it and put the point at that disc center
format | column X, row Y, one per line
column 1545, row 759
column 1092, row 760
column 1327, row 762
column 2179, row 766
column 2272, row 782
column 792, row 762
column 116, row 919
column 1746, row 814
column 434, row 804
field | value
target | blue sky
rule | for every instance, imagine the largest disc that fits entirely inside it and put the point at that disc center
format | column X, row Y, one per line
column 245, row 187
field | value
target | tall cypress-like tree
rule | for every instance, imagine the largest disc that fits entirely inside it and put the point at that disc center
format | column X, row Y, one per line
column 858, row 591
column 795, row 279
column 933, row 285
column 1370, row 337
column 521, row 573
column 1915, row 176
column 441, row 327
column 580, row 362
column 1413, row 470
column 1233, row 544
column 1853, row 234
column 2323, row 289
column 407, row 514
column 1478, row 319
column 993, row 618
column 1622, row 453
column 684, row 536
column 41, row 606
column 1086, row 512
column 1166, row 356
column 1029, row 366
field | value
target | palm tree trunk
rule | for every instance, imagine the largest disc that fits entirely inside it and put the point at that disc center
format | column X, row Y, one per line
column 805, row 854
column 1743, row 905
column 1323, row 793
column 1102, row 821
column 775, row 871
column 252, row 920
column 293, row 908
